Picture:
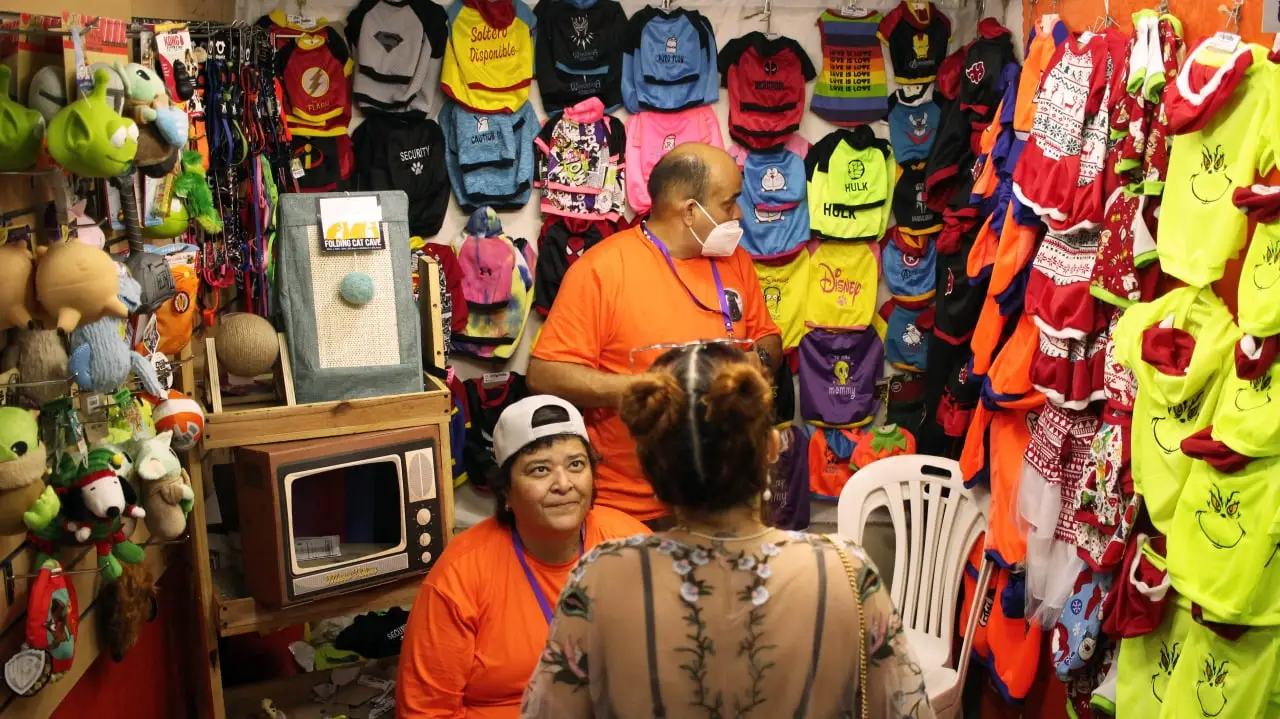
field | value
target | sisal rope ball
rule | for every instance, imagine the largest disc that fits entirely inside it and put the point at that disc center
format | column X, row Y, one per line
column 246, row 344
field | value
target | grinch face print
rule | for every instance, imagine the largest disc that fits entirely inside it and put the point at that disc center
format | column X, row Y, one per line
column 1211, row 688
column 1170, row 430
column 1168, row 660
column 1267, row 272
column 1255, row 395
column 1220, row 523
column 1211, row 182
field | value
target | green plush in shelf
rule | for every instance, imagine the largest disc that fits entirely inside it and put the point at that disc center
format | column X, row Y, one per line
column 90, row 139
column 21, row 130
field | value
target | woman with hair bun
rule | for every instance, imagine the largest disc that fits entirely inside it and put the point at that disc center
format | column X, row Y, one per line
column 722, row 615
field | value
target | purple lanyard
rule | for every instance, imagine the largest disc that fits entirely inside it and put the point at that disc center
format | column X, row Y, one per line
column 715, row 273
column 528, row 573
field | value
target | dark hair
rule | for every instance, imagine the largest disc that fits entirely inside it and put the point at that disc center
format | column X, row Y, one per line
column 677, row 177
column 500, row 479
column 701, row 419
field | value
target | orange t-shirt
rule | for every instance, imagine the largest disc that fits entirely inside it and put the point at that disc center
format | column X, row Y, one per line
column 476, row 630
column 621, row 295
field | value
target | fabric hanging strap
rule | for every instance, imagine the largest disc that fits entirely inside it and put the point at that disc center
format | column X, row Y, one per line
column 543, row 602
column 715, row 273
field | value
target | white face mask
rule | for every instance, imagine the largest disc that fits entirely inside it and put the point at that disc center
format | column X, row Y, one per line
column 721, row 241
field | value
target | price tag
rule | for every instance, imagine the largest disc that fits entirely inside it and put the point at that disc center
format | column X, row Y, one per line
column 306, row 22
column 295, row 167
column 1224, row 41
column 494, row 379
column 351, row 223
column 851, row 9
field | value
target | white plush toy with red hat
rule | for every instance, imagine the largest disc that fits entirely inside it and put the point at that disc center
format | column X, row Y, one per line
column 94, row 507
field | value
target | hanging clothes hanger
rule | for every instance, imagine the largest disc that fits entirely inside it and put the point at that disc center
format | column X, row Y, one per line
column 1232, row 25
column 1104, row 21
column 765, row 13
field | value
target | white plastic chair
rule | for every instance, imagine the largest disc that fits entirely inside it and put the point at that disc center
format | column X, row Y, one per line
column 935, row 523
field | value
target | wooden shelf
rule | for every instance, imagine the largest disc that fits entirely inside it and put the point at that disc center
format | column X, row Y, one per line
column 267, row 425
column 238, row 614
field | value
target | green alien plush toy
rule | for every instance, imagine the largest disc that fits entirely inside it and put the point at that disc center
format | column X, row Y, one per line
column 89, row 139
column 21, row 130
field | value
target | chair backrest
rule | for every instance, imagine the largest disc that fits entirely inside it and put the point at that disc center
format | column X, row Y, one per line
column 936, row 520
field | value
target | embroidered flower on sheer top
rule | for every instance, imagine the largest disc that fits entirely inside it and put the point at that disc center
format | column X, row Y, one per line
column 682, row 566
column 759, row 595
column 666, row 546
column 770, row 549
column 763, row 571
column 746, row 563
column 699, row 557
column 689, row 592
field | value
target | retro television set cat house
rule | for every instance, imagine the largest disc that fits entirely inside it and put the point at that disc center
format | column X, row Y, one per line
column 326, row 516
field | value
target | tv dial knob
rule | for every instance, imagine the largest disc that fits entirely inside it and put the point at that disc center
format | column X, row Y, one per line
column 426, row 557
column 424, row 539
column 424, row 516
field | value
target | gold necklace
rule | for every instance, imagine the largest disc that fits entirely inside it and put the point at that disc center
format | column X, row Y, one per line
column 714, row 538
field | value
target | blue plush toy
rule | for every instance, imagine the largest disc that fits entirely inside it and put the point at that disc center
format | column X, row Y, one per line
column 101, row 361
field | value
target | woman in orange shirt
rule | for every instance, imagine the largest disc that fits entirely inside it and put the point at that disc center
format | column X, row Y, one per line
column 480, row 620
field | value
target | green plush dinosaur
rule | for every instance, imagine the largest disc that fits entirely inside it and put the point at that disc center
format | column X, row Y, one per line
column 21, row 130
column 193, row 187
column 90, row 139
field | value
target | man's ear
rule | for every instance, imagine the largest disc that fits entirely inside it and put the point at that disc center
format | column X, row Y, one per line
column 689, row 212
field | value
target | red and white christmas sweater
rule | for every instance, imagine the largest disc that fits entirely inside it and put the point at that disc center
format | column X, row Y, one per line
column 1071, row 91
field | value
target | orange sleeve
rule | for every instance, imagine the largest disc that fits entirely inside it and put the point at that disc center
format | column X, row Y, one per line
column 439, row 640
column 755, row 314
column 580, row 320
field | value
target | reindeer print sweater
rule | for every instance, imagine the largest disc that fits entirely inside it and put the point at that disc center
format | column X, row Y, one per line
column 1071, row 91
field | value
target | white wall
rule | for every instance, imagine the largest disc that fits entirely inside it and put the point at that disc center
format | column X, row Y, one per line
column 794, row 18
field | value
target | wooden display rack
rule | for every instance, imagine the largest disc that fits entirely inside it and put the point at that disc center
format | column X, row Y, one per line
column 224, row 609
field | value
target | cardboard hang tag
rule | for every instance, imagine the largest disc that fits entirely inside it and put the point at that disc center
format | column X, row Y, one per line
column 351, row 223
column 1224, row 41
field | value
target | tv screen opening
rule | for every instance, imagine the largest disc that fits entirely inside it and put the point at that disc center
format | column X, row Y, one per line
column 345, row 513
